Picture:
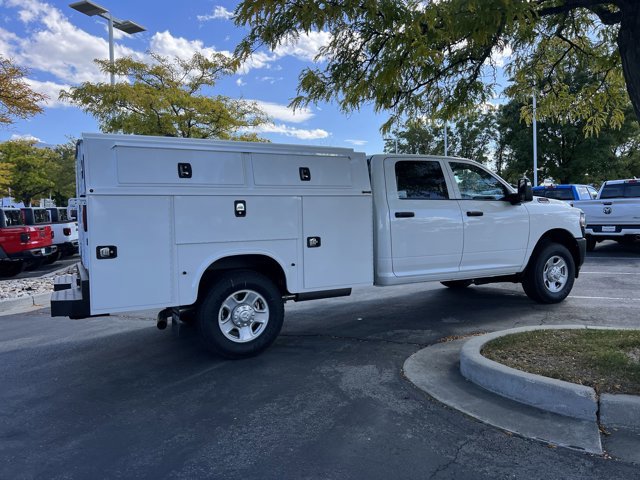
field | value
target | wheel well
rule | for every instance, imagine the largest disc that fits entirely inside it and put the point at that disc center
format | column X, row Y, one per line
column 267, row 266
column 562, row 237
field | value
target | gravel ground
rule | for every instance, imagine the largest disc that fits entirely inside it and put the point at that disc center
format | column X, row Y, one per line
column 24, row 287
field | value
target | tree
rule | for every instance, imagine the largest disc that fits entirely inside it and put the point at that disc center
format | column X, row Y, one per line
column 564, row 153
column 30, row 169
column 471, row 136
column 164, row 97
column 17, row 99
column 64, row 173
column 438, row 58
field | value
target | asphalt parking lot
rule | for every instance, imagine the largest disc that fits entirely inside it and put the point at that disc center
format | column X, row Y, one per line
column 113, row 397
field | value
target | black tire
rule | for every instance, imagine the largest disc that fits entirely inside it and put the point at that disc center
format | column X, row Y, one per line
column 264, row 301
column 544, row 285
column 54, row 257
column 33, row 264
column 11, row 268
column 591, row 243
column 457, row 284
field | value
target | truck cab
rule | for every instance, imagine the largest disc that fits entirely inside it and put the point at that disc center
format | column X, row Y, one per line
column 570, row 193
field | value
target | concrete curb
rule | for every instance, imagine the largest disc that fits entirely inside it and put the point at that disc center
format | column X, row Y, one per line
column 549, row 394
column 40, row 300
column 620, row 410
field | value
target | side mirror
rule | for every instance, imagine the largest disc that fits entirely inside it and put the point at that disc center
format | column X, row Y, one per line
column 525, row 191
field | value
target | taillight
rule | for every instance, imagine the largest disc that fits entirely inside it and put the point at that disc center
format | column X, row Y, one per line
column 25, row 237
column 66, row 231
column 84, row 217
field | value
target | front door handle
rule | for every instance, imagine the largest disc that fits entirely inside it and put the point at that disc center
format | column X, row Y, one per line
column 405, row 214
column 475, row 213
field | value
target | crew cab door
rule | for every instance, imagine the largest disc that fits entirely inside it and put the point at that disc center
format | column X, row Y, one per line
column 426, row 224
column 496, row 233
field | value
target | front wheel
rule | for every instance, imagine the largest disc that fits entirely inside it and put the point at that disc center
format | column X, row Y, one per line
column 241, row 315
column 550, row 275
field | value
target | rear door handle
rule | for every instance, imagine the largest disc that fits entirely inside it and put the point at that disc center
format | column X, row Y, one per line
column 405, row 214
column 475, row 213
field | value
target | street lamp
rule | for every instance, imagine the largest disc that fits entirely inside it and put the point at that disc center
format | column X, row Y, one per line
column 91, row 9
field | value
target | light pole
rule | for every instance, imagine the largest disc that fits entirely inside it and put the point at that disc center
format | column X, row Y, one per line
column 535, row 142
column 127, row 26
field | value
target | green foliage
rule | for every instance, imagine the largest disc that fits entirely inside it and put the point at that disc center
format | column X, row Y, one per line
column 438, row 59
column 470, row 136
column 564, row 153
column 29, row 167
column 165, row 97
column 17, row 99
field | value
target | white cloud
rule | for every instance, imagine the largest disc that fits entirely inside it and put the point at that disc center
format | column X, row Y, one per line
column 270, row 80
column 304, row 47
column 55, row 45
column 51, row 90
column 166, row 44
column 27, row 137
column 357, row 143
column 300, row 133
column 501, row 56
column 217, row 13
column 284, row 113
column 240, row 82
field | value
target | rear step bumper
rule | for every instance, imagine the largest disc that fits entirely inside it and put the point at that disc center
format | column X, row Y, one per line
column 70, row 296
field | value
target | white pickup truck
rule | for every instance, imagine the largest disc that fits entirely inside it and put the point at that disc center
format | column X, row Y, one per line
column 224, row 233
column 614, row 214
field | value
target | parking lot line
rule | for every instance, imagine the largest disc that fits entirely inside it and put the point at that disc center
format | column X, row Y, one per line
column 602, row 298
column 611, row 273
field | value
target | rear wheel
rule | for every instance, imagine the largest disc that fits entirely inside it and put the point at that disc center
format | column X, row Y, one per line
column 457, row 283
column 11, row 268
column 241, row 315
column 54, row 257
column 550, row 275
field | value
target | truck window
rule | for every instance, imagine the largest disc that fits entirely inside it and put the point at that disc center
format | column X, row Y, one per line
column 477, row 184
column 615, row 190
column 41, row 216
column 583, row 193
column 62, row 215
column 421, row 180
column 593, row 192
column 558, row 194
column 632, row 190
column 12, row 218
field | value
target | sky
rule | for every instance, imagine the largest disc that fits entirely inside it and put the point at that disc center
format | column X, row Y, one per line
column 58, row 44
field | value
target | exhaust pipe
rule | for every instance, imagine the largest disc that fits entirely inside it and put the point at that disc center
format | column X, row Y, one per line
column 163, row 318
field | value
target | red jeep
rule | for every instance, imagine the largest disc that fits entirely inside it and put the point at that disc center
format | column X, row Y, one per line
column 22, row 245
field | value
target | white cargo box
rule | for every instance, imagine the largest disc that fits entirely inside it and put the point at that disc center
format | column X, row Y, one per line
column 170, row 208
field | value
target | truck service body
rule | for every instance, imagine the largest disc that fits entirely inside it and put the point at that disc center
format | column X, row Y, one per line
column 223, row 233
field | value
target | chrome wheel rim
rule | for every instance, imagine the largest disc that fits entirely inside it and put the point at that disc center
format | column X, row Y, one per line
column 243, row 316
column 555, row 274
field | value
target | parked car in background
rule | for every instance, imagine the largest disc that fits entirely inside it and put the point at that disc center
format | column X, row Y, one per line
column 568, row 192
column 41, row 219
column 22, row 245
column 65, row 231
column 615, row 214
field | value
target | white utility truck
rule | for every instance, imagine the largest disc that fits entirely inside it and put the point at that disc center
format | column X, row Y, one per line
column 224, row 233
